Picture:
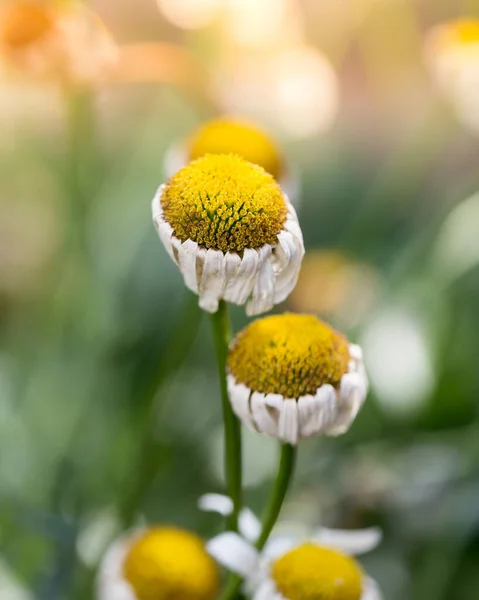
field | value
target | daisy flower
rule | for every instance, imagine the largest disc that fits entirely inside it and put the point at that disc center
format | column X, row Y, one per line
column 158, row 562
column 232, row 232
column 291, row 567
column 292, row 376
column 226, row 135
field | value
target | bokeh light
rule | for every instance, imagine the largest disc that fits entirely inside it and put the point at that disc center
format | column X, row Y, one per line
column 190, row 14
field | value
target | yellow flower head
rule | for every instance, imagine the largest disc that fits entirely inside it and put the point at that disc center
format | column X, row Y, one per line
column 170, row 564
column 24, row 23
column 311, row 572
column 225, row 203
column 229, row 136
column 291, row 355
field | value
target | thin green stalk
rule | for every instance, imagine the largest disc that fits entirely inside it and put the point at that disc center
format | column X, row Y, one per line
column 286, row 468
column 222, row 336
column 278, row 494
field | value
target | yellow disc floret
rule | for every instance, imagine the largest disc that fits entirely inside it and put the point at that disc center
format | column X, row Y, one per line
column 291, row 355
column 228, row 136
column 23, row 23
column 171, row 564
column 314, row 573
column 225, row 203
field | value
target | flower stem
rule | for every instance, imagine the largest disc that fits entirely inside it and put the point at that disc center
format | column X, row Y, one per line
column 285, row 473
column 280, row 489
column 222, row 336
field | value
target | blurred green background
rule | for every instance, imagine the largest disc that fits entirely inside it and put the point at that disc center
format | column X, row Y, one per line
column 109, row 399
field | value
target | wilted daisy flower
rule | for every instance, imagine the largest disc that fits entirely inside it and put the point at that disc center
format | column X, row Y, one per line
column 292, row 377
column 452, row 53
column 232, row 136
column 159, row 562
column 317, row 567
column 61, row 42
column 232, row 232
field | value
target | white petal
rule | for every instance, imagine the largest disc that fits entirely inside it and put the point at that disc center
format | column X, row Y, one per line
column 356, row 352
column 350, row 542
column 233, row 552
column 165, row 231
column 110, row 584
column 318, row 414
column 212, row 280
column 239, row 396
column 371, row 590
column 187, row 254
column 218, row 503
column 267, row 591
column 263, row 416
column 351, row 398
column 249, row 525
column 288, row 428
column 262, row 298
column 241, row 285
column 277, row 545
column 232, row 264
column 287, row 276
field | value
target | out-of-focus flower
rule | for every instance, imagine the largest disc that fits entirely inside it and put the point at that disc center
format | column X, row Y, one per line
column 159, row 562
column 334, row 286
column 53, row 41
column 232, row 232
column 234, row 136
column 292, row 377
column 398, row 361
column 295, row 88
column 190, row 14
column 319, row 567
column 452, row 53
column 265, row 24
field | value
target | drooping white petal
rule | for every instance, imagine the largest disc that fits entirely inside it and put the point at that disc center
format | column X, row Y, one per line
column 235, row 553
column 262, row 298
column 308, row 409
column 187, row 254
column 371, row 590
column 352, row 395
column 111, row 584
column 165, row 232
column 267, row 591
column 212, row 280
column 288, row 427
column 263, row 416
column 290, row 248
column 240, row 286
column 218, row 503
column 239, row 395
column 249, row 525
column 351, row 542
column 232, row 264
column 356, row 352
column 317, row 414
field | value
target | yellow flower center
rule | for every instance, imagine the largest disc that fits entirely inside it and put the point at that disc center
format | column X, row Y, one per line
column 288, row 354
column 314, row 573
column 226, row 136
column 23, row 23
column 171, row 564
column 224, row 202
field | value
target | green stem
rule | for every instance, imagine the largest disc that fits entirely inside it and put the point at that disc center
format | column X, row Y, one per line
column 280, row 489
column 222, row 336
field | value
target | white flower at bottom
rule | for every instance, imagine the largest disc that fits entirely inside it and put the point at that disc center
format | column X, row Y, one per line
column 231, row 231
column 227, row 135
column 158, row 562
column 292, row 377
column 320, row 567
